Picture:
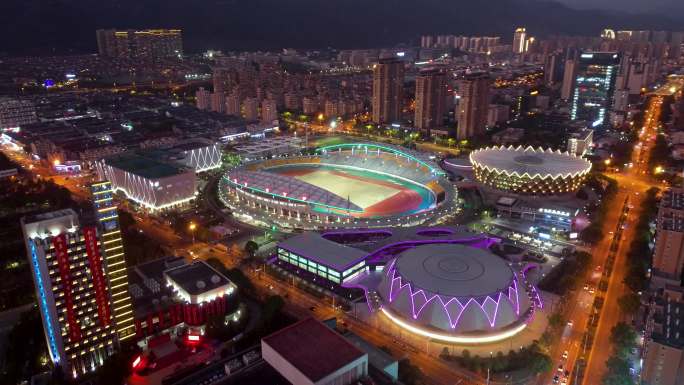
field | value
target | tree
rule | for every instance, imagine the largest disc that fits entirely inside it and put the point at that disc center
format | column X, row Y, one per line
column 409, row 374
column 629, row 303
column 251, row 248
column 116, row 368
column 540, row 362
column 556, row 321
column 618, row 372
column 623, row 337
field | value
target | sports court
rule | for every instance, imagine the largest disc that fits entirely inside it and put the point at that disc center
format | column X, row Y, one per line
column 376, row 193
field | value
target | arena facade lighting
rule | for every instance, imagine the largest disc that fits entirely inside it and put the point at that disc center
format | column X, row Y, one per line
column 455, row 339
column 529, row 171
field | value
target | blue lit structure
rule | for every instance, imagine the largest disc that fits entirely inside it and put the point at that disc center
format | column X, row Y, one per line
column 47, row 320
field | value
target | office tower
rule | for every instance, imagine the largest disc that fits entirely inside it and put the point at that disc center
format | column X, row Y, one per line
column 473, row 107
column 519, row 40
column 569, row 73
column 218, row 102
column 430, row 100
column 388, row 87
column 233, row 104
column 146, row 44
column 269, row 110
column 15, row 113
column 250, row 109
column 72, row 288
column 203, row 99
column 594, row 87
column 668, row 254
column 114, row 258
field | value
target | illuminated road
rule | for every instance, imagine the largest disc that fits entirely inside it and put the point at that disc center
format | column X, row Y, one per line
column 638, row 182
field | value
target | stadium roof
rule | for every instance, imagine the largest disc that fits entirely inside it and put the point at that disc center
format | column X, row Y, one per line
column 520, row 161
column 454, row 270
column 313, row 348
column 144, row 167
column 415, row 156
column 286, row 187
column 325, row 252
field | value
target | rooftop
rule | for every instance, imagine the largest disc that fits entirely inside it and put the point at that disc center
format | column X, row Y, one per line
column 455, row 270
column 328, row 253
column 144, row 167
column 313, row 348
column 197, row 277
column 531, row 161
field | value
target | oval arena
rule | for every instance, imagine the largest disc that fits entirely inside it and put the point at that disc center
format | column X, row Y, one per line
column 345, row 185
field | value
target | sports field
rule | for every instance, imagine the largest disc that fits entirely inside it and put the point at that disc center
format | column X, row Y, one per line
column 377, row 194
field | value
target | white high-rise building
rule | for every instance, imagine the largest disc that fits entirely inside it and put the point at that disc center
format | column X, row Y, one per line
column 203, row 99
column 520, row 40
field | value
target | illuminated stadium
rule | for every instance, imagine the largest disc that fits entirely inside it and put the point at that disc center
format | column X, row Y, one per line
column 344, row 185
column 529, row 171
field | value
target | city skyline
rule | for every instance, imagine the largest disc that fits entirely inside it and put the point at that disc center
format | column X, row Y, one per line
column 343, row 192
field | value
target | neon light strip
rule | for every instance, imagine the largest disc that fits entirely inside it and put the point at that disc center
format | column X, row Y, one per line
column 43, row 303
column 389, row 149
column 455, row 338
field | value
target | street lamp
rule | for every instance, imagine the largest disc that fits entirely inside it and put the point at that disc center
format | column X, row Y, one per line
column 192, row 228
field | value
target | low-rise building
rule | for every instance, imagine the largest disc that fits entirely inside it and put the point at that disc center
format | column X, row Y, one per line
column 289, row 351
column 150, row 183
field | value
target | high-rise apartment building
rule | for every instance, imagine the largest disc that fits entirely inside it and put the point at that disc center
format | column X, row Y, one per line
column 69, row 269
column 594, row 87
column 520, row 40
column 663, row 362
column 269, row 111
column 250, row 109
column 474, row 105
column 140, row 44
column 430, row 100
column 553, row 69
column 668, row 255
column 203, row 99
column 569, row 72
column 218, row 102
column 114, row 258
column 388, row 87
column 233, row 104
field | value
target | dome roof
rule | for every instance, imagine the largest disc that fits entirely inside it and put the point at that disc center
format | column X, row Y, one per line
column 454, row 287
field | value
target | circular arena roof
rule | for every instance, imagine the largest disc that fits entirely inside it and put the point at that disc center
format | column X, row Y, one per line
column 466, row 291
column 520, row 161
column 455, row 270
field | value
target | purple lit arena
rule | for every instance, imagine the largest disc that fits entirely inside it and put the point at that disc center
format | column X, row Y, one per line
column 456, row 288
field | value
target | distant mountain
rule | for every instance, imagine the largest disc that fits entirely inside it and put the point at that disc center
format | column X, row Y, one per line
column 668, row 8
column 43, row 26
